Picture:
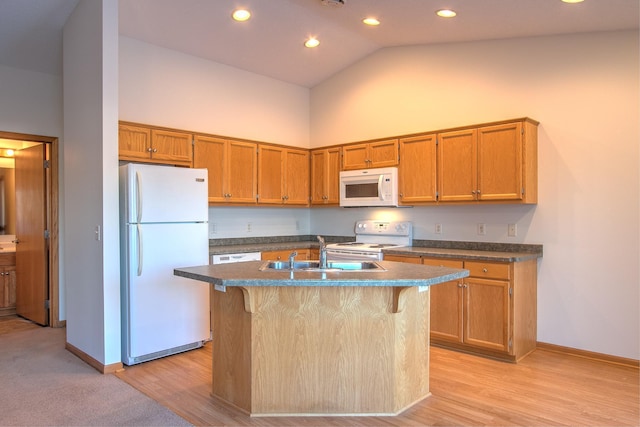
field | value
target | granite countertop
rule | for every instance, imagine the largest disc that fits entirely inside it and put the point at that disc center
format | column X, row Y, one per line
column 480, row 251
column 249, row 274
column 466, row 254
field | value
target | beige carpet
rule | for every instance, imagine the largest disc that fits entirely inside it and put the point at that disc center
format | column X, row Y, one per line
column 42, row 384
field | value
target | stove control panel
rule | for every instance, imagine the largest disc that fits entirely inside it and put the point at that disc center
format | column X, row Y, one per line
column 388, row 228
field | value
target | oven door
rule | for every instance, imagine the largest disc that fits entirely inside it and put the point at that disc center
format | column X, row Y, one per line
column 342, row 255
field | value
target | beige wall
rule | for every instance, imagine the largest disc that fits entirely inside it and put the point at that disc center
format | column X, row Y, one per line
column 163, row 87
column 584, row 91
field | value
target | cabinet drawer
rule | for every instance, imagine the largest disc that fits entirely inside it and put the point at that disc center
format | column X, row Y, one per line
column 441, row 262
column 8, row 259
column 488, row 269
column 402, row 258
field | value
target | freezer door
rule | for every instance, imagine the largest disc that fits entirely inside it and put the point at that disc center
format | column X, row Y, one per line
column 162, row 311
column 155, row 193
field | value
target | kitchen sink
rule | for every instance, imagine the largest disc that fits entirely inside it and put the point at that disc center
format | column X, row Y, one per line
column 315, row 266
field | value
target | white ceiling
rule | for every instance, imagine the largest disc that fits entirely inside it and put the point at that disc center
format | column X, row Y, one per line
column 271, row 43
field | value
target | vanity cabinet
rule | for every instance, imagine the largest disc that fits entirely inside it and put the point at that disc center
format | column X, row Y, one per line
column 493, row 312
column 376, row 154
column 417, row 170
column 489, row 163
column 325, row 176
column 283, row 175
column 7, row 283
column 232, row 168
column 147, row 144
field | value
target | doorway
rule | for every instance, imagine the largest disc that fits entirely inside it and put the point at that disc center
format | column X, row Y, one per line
column 37, row 295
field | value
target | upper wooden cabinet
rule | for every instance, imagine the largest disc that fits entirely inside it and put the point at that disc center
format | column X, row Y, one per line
column 325, row 176
column 489, row 163
column 232, row 167
column 417, row 169
column 147, row 144
column 378, row 154
column 283, row 175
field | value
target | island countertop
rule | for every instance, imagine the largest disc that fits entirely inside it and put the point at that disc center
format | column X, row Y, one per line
column 248, row 274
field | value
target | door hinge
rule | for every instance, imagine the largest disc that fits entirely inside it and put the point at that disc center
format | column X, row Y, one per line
column 46, row 164
column 437, row 195
column 522, row 191
column 47, row 304
column 510, row 291
column 510, row 343
column 46, row 234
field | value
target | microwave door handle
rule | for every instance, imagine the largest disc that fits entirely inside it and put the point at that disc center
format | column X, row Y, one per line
column 380, row 191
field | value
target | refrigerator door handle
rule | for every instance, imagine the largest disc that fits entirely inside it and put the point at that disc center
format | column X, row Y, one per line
column 138, row 197
column 139, row 230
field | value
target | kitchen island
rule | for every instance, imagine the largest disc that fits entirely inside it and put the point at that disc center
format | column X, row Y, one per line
column 320, row 343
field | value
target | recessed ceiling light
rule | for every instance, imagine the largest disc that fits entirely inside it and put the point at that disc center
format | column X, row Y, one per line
column 573, row 1
column 241, row 15
column 312, row 42
column 446, row 13
column 371, row 21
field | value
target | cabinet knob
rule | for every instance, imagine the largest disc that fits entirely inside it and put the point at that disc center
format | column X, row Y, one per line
column 484, row 270
column 155, row 150
column 149, row 149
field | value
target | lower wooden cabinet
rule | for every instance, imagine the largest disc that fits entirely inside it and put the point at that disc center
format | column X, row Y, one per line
column 492, row 312
column 7, row 283
column 303, row 255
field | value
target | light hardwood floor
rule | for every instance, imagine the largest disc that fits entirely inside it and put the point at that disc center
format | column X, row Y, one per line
column 545, row 389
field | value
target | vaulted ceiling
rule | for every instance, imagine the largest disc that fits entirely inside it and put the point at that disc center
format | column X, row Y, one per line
column 271, row 42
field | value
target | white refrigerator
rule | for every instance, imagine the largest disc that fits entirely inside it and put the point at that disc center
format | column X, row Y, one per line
column 163, row 218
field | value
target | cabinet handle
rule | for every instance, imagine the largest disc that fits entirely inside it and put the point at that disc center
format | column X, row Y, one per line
column 484, row 270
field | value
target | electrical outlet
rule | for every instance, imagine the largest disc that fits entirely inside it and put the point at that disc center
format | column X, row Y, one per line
column 482, row 229
column 297, row 225
column 248, row 227
column 438, row 229
column 513, row 230
column 213, row 228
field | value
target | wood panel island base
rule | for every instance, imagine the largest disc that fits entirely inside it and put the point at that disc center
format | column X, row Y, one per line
column 303, row 343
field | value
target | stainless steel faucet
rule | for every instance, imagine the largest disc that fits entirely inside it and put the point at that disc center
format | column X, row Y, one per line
column 292, row 259
column 323, row 252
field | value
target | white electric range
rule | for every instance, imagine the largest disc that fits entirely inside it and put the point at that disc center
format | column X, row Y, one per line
column 372, row 236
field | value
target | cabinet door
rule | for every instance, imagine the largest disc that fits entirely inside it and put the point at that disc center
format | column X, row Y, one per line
column 355, row 156
column 500, row 162
column 296, row 177
column 417, row 170
column 383, row 154
column 446, row 305
column 332, row 176
column 487, row 313
column 211, row 153
column 270, row 176
column 242, row 182
column 171, row 147
column 8, row 287
column 457, row 166
column 318, row 175
column 325, row 176
column 134, row 143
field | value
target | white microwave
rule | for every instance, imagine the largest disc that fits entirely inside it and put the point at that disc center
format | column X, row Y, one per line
column 369, row 187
